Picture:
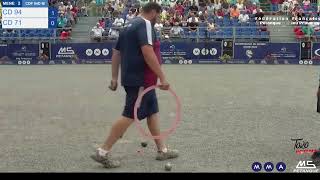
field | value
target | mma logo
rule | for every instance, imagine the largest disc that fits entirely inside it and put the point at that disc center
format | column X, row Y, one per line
column 305, row 167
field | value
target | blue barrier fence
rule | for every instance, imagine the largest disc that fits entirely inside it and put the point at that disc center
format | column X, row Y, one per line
column 172, row 53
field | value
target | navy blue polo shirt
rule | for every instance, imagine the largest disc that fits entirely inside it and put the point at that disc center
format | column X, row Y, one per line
column 137, row 33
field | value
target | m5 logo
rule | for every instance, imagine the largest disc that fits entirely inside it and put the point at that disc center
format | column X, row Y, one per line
column 306, row 166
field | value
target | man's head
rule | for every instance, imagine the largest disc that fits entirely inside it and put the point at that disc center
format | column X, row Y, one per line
column 151, row 11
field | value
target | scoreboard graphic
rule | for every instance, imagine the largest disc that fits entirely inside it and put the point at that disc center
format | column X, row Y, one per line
column 28, row 14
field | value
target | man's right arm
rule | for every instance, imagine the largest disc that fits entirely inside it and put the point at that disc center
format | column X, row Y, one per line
column 144, row 34
column 152, row 61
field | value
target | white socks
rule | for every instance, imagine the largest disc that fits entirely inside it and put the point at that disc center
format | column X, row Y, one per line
column 102, row 152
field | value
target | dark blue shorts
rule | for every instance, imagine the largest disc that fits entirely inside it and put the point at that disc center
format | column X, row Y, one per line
column 148, row 106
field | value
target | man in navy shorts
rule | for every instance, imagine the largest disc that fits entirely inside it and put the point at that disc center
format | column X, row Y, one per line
column 135, row 51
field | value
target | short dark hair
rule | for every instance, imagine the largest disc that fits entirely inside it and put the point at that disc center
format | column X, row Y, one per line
column 151, row 6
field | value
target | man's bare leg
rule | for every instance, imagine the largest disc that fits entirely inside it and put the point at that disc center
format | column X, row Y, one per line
column 163, row 152
column 117, row 130
column 154, row 128
column 102, row 153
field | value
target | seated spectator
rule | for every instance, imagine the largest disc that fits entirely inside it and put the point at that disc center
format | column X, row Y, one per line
column 194, row 8
column 166, row 29
column 179, row 8
column 253, row 9
column 201, row 16
column 75, row 12
column 64, row 35
column 308, row 31
column 165, row 3
column 164, row 15
column 175, row 18
column 285, row 7
column 210, row 8
column 61, row 21
column 70, row 17
column 211, row 27
column 118, row 21
column 102, row 23
column 130, row 16
column 240, row 5
column 120, row 7
column 274, row 5
column 84, row 10
column 259, row 15
column 187, row 4
column 193, row 17
column 113, row 33
column 220, row 14
column 184, row 22
column 69, row 5
column 108, row 9
column 234, row 12
column 232, row 2
column 97, row 32
column 244, row 17
column 224, row 4
column 61, row 8
column 255, row 2
column 193, row 24
column 176, row 30
column 217, row 5
column 158, row 26
column 306, row 4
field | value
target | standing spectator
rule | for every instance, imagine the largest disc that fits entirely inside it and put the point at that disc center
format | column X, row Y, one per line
column 97, row 32
column 234, row 12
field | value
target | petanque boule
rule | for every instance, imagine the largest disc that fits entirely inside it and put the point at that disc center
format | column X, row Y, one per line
column 168, row 166
column 144, row 144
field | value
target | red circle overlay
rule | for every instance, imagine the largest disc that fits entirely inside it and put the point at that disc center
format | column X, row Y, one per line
column 175, row 123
